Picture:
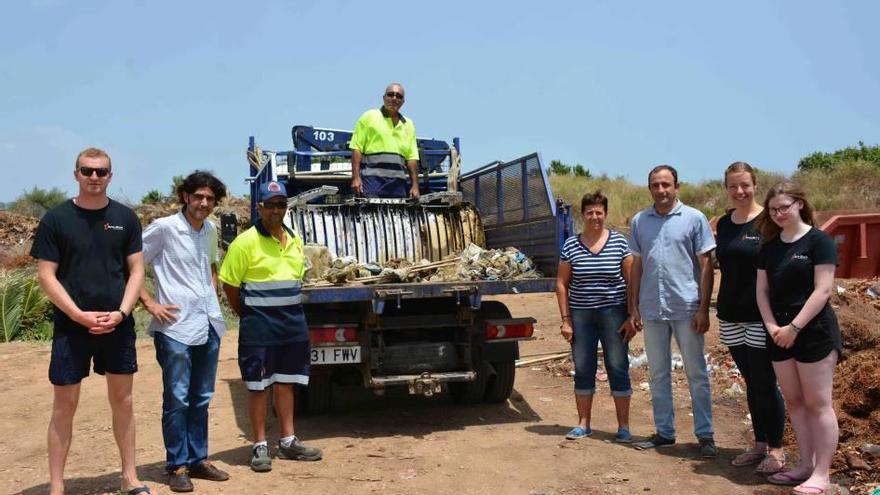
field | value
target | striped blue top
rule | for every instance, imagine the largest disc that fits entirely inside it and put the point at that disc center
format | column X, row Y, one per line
column 596, row 278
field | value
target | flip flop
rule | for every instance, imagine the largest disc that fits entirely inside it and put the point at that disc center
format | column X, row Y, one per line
column 808, row 490
column 748, row 458
column 785, row 479
column 138, row 490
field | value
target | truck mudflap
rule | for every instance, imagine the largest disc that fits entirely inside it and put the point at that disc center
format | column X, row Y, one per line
column 426, row 383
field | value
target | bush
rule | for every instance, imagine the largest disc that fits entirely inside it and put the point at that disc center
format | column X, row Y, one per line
column 559, row 168
column 581, row 171
column 152, row 197
column 37, row 202
column 828, row 161
column 24, row 310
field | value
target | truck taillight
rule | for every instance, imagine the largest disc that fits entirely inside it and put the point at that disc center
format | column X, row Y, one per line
column 333, row 333
column 509, row 331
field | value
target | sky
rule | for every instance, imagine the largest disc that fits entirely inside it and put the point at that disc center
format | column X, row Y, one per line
column 167, row 87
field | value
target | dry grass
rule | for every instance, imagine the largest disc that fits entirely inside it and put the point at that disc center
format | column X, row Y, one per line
column 852, row 185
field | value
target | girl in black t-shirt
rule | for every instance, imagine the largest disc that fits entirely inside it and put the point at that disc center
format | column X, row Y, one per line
column 742, row 330
column 795, row 276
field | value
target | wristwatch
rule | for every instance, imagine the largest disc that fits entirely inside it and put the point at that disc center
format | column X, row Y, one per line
column 124, row 315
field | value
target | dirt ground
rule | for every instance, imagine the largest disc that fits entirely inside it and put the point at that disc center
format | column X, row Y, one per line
column 392, row 444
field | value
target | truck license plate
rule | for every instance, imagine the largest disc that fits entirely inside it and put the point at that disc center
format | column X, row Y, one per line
column 336, row 355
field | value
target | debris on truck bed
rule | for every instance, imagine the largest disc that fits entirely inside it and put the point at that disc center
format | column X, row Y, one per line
column 474, row 263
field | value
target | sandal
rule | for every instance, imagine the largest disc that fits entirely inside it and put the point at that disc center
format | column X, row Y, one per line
column 748, row 458
column 771, row 464
column 785, row 479
column 138, row 490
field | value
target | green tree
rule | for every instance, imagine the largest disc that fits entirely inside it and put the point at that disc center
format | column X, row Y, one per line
column 152, row 197
column 176, row 181
column 559, row 168
column 581, row 171
column 820, row 160
column 38, row 201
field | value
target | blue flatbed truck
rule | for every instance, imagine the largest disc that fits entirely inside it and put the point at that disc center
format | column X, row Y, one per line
column 428, row 336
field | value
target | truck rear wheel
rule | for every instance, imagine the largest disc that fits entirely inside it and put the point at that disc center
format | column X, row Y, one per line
column 319, row 394
column 471, row 392
column 500, row 384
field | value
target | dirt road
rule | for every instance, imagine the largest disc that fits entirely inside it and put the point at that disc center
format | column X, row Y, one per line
column 393, row 444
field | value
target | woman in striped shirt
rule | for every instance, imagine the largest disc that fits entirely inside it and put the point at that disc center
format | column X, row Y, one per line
column 740, row 321
column 591, row 288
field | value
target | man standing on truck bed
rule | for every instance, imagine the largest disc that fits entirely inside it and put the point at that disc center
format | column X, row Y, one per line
column 91, row 267
column 262, row 277
column 384, row 152
column 671, row 287
column 187, row 326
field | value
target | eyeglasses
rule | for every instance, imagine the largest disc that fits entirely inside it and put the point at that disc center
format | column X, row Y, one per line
column 275, row 205
column 782, row 209
column 88, row 171
column 394, row 94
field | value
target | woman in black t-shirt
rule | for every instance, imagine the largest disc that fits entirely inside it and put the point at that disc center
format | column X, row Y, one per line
column 795, row 275
column 742, row 330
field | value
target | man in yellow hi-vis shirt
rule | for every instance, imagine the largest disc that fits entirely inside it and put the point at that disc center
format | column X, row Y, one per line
column 384, row 151
column 262, row 277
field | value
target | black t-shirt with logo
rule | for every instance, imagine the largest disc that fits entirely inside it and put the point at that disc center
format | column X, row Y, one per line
column 789, row 267
column 737, row 253
column 91, row 248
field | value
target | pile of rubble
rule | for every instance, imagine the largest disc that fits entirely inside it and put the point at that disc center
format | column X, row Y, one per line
column 474, row 263
column 15, row 229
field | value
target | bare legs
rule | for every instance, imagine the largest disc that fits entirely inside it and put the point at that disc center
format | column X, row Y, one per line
column 584, row 404
column 807, row 391
column 283, row 403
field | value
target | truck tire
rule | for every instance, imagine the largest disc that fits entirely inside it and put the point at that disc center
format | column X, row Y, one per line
column 471, row 392
column 502, row 373
column 500, row 384
column 319, row 394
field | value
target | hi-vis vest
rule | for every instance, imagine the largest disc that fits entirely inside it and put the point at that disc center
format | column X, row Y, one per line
column 385, row 147
column 270, row 283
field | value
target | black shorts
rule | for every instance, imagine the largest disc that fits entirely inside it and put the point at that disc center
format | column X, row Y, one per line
column 261, row 366
column 72, row 350
column 814, row 342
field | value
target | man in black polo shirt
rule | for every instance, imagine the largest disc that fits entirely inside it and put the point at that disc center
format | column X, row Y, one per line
column 91, row 268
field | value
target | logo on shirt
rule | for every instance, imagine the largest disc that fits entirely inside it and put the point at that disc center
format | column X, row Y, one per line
column 109, row 226
column 802, row 257
column 751, row 237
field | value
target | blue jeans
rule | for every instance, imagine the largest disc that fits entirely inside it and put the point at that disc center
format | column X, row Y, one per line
column 658, row 341
column 600, row 325
column 188, row 376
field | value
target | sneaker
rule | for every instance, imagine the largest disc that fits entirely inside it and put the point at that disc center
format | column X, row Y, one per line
column 623, row 436
column 708, row 450
column 260, row 461
column 178, row 480
column 577, row 432
column 298, row 451
column 654, row 441
column 207, row 471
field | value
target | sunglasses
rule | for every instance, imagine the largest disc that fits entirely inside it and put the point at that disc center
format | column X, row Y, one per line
column 394, row 94
column 88, row 171
column 275, row 205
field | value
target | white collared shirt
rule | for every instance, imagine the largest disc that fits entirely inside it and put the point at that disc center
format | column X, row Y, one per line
column 181, row 258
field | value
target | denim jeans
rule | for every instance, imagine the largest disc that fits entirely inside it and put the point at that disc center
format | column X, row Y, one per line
column 600, row 325
column 188, row 376
column 658, row 342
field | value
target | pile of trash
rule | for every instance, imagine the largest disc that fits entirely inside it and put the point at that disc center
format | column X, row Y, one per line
column 474, row 263
column 16, row 229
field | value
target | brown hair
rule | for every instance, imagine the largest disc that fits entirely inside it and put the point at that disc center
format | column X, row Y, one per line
column 768, row 227
column 92, row 153
column 737, row 167
column 198, row 180
column 595, row 198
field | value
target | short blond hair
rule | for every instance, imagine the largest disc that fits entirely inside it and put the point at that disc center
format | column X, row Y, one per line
column 92, row 153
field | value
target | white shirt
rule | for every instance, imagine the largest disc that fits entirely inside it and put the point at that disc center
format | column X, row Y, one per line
column 182, row 257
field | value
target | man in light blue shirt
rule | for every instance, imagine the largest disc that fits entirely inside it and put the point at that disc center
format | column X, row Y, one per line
column 187, row 325
column 672, row 285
